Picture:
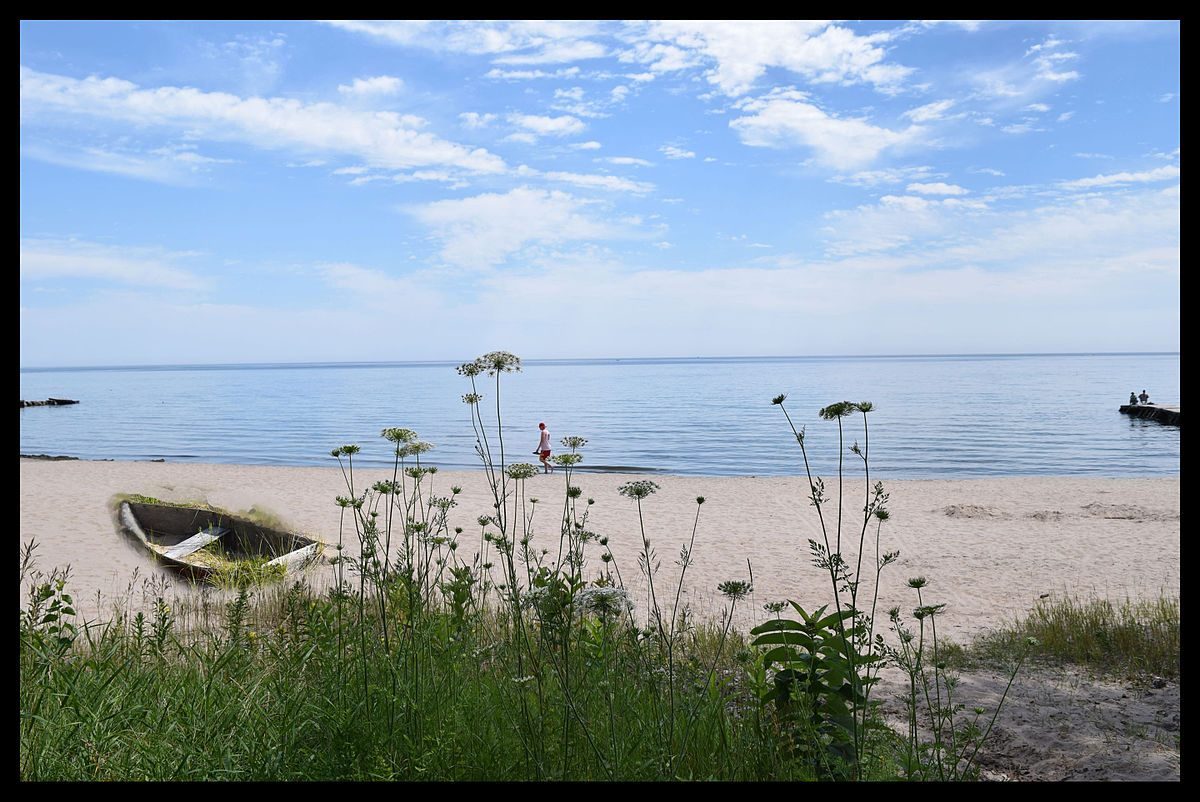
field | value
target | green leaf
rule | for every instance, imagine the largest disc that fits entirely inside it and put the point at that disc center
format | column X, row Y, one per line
column 797, row 639
column 777, row 625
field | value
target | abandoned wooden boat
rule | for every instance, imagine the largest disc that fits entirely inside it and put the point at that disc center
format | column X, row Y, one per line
column 200, row 543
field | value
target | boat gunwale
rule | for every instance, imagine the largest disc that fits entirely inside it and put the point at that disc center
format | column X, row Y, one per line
column 201, row 564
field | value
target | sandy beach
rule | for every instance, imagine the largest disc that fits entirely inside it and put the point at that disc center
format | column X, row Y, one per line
column 989, row 548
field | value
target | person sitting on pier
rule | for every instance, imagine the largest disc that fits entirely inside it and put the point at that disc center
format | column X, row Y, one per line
column 1132, row 399
column 1145, row 399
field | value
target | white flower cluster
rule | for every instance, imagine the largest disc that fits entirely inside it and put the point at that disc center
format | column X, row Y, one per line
column 604, row 601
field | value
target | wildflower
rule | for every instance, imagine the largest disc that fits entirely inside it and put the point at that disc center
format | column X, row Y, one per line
column 520, row 470
column 472, row 398
column 574, row 492
column 572, row 442
column 499, row 362
column 735, row 589
column 638, row 489
column 414, row 448
column 398, row 435
column 778, row 399
column 839, row 410
column 927, row 610
column 351, row 449
column 567, row 459
column 917, row 582
column 604, row 601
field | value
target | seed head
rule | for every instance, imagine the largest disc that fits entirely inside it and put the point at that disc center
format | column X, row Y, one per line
column 638, row 489
column 735, row 589
column 839, row 410
column 520, row 470
column 397, row 435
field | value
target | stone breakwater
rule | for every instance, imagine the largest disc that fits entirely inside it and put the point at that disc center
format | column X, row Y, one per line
column 49, row 402
column 1158, row 412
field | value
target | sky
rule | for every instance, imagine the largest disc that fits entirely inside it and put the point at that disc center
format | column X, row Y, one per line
column 213, row 192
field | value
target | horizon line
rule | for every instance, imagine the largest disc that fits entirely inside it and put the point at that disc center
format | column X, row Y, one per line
column 544, row 360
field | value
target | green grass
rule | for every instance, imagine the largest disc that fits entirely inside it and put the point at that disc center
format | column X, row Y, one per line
column 1130, row 638
column 266, row 690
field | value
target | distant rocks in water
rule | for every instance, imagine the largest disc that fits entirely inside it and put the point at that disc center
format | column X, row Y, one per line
column 49, row 402
column 1157, row 412
column 46, row 456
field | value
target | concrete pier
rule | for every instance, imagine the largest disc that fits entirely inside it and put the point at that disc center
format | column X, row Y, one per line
column 1159, row 412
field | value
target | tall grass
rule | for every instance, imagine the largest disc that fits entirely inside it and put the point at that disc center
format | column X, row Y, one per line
column 1130, row 637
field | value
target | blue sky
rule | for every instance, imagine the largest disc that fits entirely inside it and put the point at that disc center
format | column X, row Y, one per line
column 231, row 191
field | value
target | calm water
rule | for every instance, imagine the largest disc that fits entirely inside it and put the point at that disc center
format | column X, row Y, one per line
column 936, row 416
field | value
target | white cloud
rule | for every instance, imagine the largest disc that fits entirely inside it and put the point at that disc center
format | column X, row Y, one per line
column 930, row 111
column 379, row 85
column 672, row 152
column 382, row 139
column 472, row 119
column 626, row 160
column 784, row 118
column 937, row 188
column 741, row 51
column 1146, row 176
column 52, row 259
column 889, row 175
column 514, row 42
column 541, row 125
column 486, row 229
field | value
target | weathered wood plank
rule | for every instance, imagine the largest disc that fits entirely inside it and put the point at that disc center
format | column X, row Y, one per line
column 194, row 543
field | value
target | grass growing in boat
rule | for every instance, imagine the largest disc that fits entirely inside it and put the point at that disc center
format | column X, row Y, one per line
column 240, row 573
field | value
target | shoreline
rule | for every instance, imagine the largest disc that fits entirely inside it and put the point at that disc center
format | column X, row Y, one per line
column 990, row 548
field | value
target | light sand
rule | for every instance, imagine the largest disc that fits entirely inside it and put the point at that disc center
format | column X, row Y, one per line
column 989, row 548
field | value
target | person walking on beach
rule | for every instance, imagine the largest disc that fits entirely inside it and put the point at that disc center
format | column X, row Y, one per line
column 1143, row 397
column 543, row 449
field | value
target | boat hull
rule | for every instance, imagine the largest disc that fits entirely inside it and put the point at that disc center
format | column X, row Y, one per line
column 171, row 534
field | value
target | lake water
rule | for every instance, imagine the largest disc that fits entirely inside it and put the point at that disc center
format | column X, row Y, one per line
column 951, row 417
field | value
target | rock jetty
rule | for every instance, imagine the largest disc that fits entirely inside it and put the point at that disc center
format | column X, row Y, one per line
column 1163, row 414
column 49, row 402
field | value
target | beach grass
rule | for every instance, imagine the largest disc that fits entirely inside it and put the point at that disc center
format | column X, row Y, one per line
column 1128, row 638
